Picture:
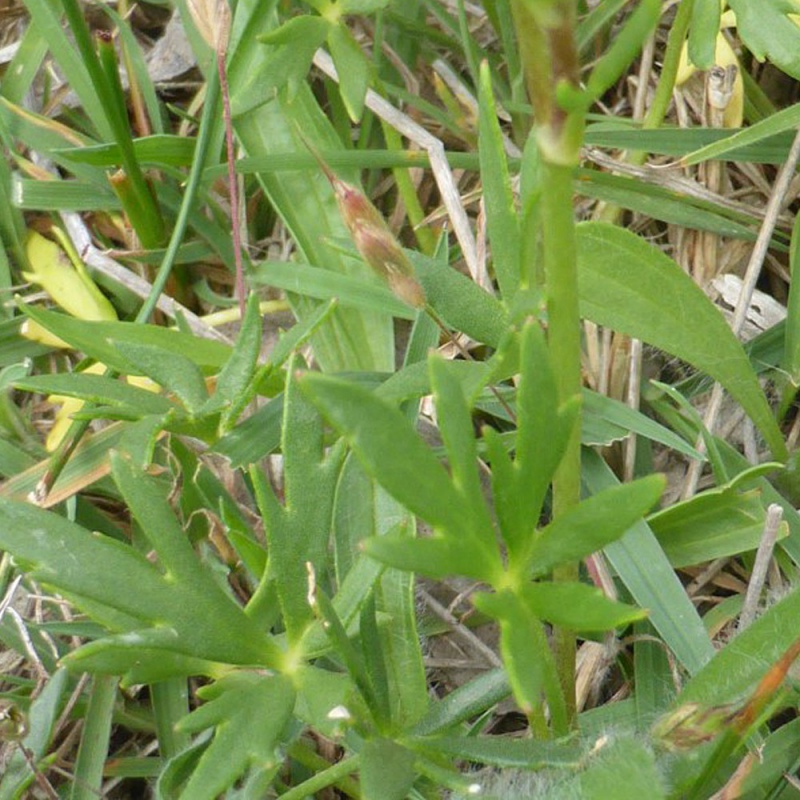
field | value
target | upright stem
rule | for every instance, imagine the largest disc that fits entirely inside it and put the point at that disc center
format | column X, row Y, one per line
column 549, row 55
column 559, row 254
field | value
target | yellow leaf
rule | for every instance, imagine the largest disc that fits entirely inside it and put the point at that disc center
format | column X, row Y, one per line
column 65, row 279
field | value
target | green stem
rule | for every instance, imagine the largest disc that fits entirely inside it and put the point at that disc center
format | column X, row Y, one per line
column 326, row 775
column 559, row 255
column 549, row 55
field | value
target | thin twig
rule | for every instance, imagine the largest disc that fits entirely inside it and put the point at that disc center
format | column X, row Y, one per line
column 706, row 576
column 758, row 577
column 461, row 630
column 101, row 262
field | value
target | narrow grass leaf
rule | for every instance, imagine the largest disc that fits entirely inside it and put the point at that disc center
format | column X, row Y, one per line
column 464, row 703
column 48, row 20
column 623, row 48
column 506, row 753
column 791, row 351
column 95, row 738
column 157, row 150
column 94, row 339
column 41, row 719
column 665, row 204
column 783, row 120
column 351, row 339
column 679, row 141
column 739, row 666
column 323, row 284
column 606, row 420
column 644, row 569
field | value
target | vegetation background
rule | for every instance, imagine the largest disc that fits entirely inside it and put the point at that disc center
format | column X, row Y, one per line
column 397, row 399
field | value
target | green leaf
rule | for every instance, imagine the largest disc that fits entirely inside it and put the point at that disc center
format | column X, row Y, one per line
column 237, row 373
column 606, row 420
column 455, row 425
column 791, row 350
column 387, row 770
column 41, row 719
column 501, row 217
column 124, row 654
column 98, row 389
column 711, row 525
column 352, row 67
column 94, row 339
column 176, row 373
column 157, row 150
column 527, row 656
column 770, row 32
column 436, row 557
column 593, row 523
column 464, row 703
column 390, row 451
column 460, row 302
column 739, row 666
column 703, row 33
column 503, row 752
column 634, row 288
column 298, row 531
column 578, row 607
column 297, row 31
column 350, row 339
column 357, row 292
column 319, row 692
column 183, row 609
column 248, row 711
column 362, row 6
column 543, row 430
